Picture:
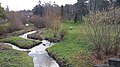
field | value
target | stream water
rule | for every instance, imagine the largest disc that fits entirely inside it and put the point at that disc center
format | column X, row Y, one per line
column 38, row 53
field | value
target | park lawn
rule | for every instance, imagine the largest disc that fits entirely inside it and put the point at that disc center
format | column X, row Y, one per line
column 21, row 42
column 75, row 48
column 14, row 58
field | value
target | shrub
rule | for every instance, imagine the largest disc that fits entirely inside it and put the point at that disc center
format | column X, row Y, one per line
column 103, row 31
column 16, row 20
column 14, row 23
column 4, row 28
column 2, row 12
column 38, row 21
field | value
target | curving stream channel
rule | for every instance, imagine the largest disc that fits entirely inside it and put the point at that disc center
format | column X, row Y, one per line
column 38, row 53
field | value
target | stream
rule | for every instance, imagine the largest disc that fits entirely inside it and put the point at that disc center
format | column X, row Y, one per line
column 38, row 53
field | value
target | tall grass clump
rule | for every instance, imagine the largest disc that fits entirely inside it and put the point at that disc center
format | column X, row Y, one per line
column 103, row 31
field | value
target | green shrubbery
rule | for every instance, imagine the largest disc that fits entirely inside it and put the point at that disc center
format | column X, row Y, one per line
column 2, row 12
column 12, row 23
column 4, row 28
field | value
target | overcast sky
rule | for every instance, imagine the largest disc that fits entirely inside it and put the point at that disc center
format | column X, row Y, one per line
column 29, row 4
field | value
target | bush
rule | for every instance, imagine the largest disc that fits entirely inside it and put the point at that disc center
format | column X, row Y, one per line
column 2, row 12
column 16, row 21
column 4, row 28
column 38, row 21
column 103, row 31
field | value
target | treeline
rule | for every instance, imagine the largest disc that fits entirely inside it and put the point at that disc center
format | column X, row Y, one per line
column 47, row 16
column 2, row 14
column 78, row 10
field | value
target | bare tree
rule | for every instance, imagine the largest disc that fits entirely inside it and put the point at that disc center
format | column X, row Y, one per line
column 52, row 17
column 38, row 21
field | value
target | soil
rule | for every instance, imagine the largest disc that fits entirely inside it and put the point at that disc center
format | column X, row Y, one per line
column 103, row 60
column 4, row 46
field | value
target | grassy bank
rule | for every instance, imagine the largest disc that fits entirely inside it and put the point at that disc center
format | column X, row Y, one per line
column 23, row 31
column 14, row 58
column 74, row 50
column 20, row 42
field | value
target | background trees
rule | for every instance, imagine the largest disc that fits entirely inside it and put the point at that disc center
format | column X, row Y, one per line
column 69, row 12
column 81, row 10
column 98, row 5
column 53, row 18
column 118, row 2
column 49, row 16
column 2, row 12
column 38, row 10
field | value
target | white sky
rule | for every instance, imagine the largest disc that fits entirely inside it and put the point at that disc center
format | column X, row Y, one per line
column 29, row 4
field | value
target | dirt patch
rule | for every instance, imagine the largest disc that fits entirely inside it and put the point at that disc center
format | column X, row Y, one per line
column 36, row 36
column 103, row 60
column 4, row 46
column 54, row 39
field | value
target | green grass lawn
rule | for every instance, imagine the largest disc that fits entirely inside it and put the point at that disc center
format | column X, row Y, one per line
column 20, row 42
column 75, row 48
column 14, row 58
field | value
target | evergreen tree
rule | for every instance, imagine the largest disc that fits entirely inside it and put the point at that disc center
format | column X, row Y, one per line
column 81, row 10
column 2, row 14
column 118, row 2
column 38, row 10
